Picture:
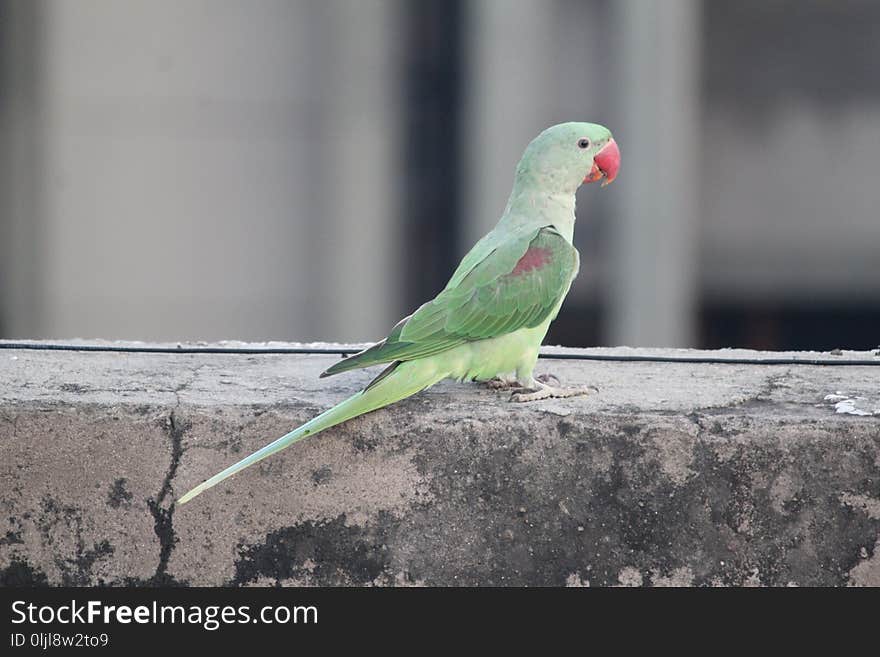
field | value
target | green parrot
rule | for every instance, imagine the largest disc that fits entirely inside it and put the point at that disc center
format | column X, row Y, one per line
column 490, row 319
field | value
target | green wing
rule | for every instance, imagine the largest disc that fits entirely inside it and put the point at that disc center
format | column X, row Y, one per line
column 517, row 285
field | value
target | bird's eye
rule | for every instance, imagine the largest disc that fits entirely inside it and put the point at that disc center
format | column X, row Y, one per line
column 583, row 143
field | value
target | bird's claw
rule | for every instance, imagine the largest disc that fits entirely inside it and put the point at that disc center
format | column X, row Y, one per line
column 544, row 391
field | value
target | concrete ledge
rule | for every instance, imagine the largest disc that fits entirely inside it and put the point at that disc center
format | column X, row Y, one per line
column 673, row 474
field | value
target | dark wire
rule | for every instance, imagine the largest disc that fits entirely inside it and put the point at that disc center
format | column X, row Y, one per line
column 342, row 351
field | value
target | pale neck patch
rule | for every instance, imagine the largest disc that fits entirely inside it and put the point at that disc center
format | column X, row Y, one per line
column 532, row 207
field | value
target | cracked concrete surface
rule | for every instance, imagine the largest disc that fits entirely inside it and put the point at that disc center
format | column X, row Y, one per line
column 672, row 474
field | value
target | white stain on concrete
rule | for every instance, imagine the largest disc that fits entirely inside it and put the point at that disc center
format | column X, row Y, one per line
column 852, row 405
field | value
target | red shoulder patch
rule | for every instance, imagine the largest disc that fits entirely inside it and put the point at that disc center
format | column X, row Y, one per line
column 535, row 258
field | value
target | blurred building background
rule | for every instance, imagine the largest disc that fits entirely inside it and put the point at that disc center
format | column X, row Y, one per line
column 313, row 170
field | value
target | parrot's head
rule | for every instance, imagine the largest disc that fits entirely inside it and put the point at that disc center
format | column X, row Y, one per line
column 567, row 155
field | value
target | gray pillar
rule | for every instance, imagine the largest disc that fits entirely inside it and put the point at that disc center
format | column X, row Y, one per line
column 653, row 261
column 22, row 288
column 358, row 268
column 177, row 170
column 508, row 82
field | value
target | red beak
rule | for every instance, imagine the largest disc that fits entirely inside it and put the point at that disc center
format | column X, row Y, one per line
column 605, row 164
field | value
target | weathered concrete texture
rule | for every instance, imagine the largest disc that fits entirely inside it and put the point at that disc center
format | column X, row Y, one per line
column 672, row 474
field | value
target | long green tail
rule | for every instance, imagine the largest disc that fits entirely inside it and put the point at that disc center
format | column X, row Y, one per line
column 396, row 383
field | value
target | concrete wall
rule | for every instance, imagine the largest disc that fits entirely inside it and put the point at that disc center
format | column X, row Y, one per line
column 672, row 474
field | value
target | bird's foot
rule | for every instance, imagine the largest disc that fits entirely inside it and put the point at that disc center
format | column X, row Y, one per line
column 540, row 389
column 500, row 383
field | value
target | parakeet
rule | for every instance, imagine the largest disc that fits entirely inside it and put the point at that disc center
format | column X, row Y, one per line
column 490, row 319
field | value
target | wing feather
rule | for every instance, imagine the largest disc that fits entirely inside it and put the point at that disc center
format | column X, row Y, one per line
column 517, row 285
